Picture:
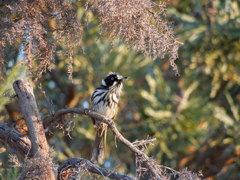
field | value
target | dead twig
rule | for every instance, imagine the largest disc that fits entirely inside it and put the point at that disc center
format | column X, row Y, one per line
column 75, row 167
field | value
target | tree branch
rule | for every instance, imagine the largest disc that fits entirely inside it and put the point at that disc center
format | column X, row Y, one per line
column 20, row 143
column 92, row 114
column 29, row 110
column 150, row 166
column 78, row 166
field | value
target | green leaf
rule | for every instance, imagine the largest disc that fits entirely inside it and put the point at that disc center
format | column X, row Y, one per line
column 157, row 114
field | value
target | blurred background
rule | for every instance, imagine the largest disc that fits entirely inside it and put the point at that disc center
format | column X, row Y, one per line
column 195, row 117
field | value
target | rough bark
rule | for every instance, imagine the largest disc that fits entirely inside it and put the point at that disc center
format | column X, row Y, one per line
column 20, row 143
column 29, row 110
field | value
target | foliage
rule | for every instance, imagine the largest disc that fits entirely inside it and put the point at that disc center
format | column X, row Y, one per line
column 17, row 71
column 8, row 173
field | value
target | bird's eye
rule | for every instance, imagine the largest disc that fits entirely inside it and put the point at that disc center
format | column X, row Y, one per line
column 112, row 78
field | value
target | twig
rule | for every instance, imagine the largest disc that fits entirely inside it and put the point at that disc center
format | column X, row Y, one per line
column 79, row 165
column 142, row 144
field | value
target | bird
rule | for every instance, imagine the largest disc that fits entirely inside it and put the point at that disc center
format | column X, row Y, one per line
column 104, row 101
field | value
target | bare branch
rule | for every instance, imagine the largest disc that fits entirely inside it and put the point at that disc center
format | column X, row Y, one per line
column 92, row 114
column 29, row 110
column 150, row 166
column 78, row 166
column 142, row 144
column 20, row 143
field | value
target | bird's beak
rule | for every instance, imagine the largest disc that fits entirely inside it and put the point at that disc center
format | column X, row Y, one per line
column 122, row 78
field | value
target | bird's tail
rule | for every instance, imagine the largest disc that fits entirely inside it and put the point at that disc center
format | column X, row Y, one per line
column 99, row 144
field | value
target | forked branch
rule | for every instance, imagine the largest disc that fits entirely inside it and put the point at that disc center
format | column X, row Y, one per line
column 151, row 168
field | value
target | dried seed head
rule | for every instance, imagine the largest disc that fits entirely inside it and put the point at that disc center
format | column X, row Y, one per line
column 39, row 26
column 140, row 24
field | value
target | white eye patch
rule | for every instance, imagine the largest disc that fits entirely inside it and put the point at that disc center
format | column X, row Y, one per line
column 112, row 78
column 104, row 83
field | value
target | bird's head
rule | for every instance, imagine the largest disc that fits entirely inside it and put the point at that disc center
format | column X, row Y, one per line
column 113, row 79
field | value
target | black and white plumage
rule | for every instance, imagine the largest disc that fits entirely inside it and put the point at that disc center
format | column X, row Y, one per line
column 105, row 101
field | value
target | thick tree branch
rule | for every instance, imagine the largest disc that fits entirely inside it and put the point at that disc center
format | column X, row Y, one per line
column 30, row 113
column 20, row 143
column 29, row 110
column 78, row 166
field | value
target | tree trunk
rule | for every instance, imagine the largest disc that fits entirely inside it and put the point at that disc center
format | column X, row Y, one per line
column 41, row 162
